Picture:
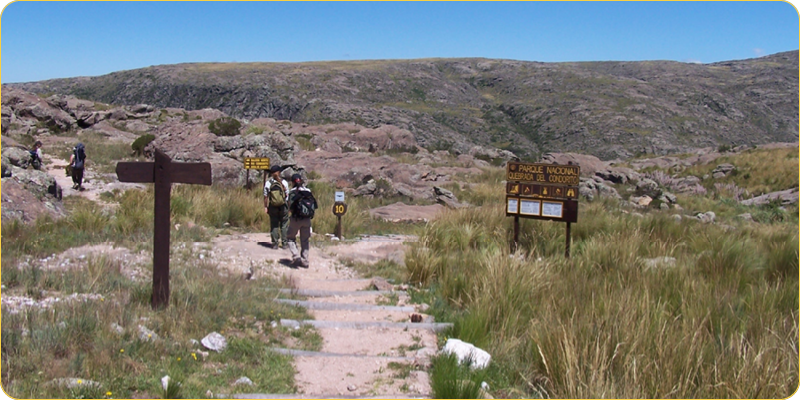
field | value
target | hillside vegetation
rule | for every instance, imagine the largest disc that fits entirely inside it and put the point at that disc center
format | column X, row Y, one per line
column 608, row 109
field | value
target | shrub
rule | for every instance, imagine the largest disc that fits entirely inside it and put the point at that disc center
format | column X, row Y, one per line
column 141, row 142
column 225, row 126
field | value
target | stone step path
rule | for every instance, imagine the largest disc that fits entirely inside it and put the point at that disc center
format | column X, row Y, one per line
column 370, row 348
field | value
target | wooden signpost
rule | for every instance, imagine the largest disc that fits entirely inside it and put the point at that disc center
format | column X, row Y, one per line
column 542, row 191
column 257, row 163
column 163, row 172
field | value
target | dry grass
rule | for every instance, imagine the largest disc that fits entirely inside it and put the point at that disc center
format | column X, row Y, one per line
column 719, row 321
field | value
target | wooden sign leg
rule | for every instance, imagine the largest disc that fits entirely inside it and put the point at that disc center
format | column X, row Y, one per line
column 339, row 227
column 569, row 240
column 161, row 231
column 516, row 235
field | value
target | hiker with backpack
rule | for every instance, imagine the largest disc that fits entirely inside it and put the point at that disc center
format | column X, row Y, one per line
column 302, row 204
column 276, row 195
column 36, row 155
column 77, row 161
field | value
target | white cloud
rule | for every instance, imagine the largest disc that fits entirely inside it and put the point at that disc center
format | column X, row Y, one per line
column 759, row 52
column 692, row 61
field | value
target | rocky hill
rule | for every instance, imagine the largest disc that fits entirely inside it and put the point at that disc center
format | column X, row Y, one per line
column 608, row 109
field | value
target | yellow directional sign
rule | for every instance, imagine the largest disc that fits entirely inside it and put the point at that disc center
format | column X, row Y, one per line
column 256, row 163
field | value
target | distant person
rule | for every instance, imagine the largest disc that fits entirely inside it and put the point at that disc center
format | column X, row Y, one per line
column 276, row 196
column 302, row 205
column 78, row 161
column 36, row 155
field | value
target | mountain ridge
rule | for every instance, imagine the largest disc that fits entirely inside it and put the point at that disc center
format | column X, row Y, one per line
column 610, row 109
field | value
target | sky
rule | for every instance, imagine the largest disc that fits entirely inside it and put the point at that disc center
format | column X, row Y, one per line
column 52, row 39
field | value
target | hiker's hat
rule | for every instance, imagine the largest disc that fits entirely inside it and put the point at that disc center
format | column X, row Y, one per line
column 296, row 178
column 274, row 169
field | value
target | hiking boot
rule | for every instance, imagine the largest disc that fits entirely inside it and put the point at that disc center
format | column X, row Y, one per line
column 304, row 264
column 296, row 262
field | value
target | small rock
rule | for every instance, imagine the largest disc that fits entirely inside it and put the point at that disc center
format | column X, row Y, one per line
column 214, row 341
column 659, row 262
column 745, row 217
column 165, row 382
column 379, row 283
column 706, row 217
column 677, row 217
column 243, row 381
column 209, row 393
column 352, row 388
column 466, row 351
column 194, row 342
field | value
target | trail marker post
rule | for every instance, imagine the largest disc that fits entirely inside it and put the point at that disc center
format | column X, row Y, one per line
column 163, row 173
column 339, row 209
column 542, row 191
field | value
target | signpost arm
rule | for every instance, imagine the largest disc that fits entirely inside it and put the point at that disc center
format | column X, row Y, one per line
column 161, row 226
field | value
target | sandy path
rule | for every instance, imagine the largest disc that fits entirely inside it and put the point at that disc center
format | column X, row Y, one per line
column 367, row 362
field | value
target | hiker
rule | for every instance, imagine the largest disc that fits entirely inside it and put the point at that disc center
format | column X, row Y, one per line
column 276, row 194
column 302, row 205
column 36, row 155
column 77, row 161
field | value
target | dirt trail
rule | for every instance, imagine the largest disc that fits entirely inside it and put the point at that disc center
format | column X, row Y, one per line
column 370, row 348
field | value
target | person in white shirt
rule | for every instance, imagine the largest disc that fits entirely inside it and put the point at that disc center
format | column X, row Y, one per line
column 276, row 195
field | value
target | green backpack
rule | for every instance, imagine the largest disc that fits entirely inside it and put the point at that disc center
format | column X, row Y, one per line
column 277, row 195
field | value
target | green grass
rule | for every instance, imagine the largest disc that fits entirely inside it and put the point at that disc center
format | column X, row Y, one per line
column 758, row 171
column 75, row 339
column 722, row 322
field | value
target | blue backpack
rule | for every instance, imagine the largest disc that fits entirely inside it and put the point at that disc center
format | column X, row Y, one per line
column 80, row 156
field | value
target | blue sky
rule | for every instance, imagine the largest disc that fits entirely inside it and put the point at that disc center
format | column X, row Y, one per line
column 44, row 40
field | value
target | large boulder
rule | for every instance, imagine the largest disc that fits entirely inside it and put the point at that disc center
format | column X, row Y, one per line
column 446, row 198
column 785, row 197
column 19, row 202
column 17, row 157
column 648, row 187
column 589, row 164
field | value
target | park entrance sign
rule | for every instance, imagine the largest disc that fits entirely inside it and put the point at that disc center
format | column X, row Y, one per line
column 542, row 191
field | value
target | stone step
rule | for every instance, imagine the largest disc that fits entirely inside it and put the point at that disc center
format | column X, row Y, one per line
column 306, row 353
column 312, row 396
column 340, row 293
column 436, row 327
column 319, row 305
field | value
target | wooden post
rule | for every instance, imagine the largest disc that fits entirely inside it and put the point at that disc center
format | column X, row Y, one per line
column 161, row 225
column 515, row 242
column 163, row 172
column 339, row 226
column 569, row 240
column 247, row 180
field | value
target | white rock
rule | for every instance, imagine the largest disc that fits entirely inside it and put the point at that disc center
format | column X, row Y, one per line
column 352, row 388
column 209, row 393
column 165, row 382
column 484, row 386
column 243, row 381
column 466, row 351
column 214, row 341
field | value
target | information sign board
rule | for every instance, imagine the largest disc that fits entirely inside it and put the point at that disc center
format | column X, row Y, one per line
column 338, row 196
